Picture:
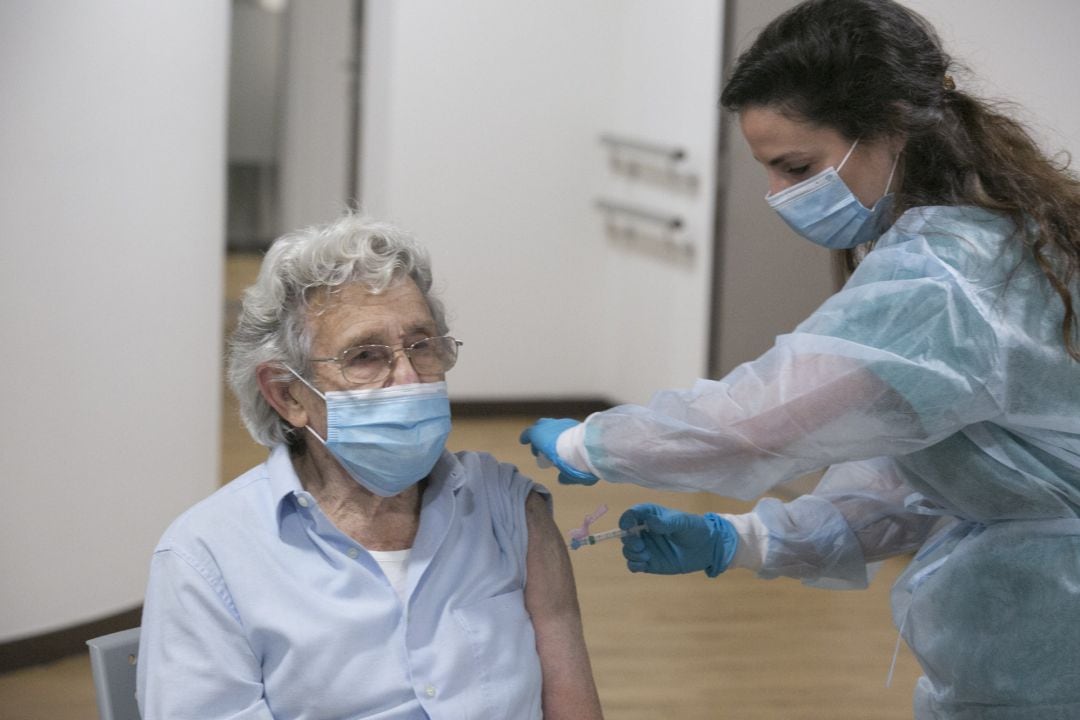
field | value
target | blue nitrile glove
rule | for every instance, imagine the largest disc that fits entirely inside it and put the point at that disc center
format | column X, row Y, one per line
column 675, row 542
column 543, row 436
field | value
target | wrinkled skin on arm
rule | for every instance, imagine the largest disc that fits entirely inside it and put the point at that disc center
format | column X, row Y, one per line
column 551, row 599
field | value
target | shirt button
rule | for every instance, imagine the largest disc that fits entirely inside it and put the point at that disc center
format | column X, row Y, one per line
column 303, row 501
column 430, row 691
column 353, row 553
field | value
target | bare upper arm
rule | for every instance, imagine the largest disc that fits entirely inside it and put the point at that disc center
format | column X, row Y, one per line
column 551, row 599
column 549, row 575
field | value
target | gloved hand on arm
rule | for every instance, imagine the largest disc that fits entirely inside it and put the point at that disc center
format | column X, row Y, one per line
column 543, row 435
column 675, row 542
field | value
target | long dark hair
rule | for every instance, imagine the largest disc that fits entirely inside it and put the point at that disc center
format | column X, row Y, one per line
column 874, row 69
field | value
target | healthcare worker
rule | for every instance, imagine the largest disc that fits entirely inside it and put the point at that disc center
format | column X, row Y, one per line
column 940, row 386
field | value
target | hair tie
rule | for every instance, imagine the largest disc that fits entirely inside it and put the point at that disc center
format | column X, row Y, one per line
column 948, row 83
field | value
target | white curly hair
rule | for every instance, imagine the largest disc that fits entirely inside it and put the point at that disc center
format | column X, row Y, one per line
column 272, row 326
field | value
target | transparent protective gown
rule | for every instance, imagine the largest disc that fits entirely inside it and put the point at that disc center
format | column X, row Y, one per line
column 936, row 389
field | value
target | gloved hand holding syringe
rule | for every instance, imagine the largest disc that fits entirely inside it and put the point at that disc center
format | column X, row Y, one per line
column 579, row 537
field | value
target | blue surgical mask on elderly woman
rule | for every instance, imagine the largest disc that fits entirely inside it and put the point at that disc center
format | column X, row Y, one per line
column 388, row 439
column 824, row 210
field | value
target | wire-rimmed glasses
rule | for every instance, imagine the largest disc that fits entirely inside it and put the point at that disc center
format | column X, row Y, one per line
column 366, row 364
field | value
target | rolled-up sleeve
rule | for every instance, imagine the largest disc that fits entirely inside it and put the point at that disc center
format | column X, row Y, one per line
column 856, row 516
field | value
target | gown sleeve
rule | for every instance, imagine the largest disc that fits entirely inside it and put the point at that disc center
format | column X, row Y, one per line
column 857, row 515
column 903, row 356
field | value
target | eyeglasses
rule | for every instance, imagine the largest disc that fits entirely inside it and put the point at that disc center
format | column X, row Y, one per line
column 365, row 364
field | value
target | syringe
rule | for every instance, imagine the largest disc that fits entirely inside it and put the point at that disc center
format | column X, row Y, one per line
column 601, row 536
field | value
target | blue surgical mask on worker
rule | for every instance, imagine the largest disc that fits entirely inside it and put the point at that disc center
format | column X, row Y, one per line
column 824, row 210
column 387, row 439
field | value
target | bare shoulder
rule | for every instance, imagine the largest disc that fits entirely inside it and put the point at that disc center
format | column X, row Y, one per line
column 538, row 504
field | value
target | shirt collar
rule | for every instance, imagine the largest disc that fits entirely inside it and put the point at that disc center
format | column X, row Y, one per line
column 285, row 483
column 448, row 470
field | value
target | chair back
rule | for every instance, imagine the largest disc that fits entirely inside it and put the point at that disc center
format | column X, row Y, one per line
column 112, row 662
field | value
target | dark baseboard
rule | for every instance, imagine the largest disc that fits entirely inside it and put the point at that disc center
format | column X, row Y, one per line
column 52, row 646
column 560, row 407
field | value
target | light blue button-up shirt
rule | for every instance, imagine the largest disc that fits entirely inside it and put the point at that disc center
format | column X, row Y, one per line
column 259, row 607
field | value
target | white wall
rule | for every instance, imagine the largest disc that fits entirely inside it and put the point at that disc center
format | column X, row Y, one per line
column 316, row 112
column 769, row 278
column 655, row 313
column 481, row 126
column 256, row 61
column 1026, row 53
column 112, row 140
column 480, row 121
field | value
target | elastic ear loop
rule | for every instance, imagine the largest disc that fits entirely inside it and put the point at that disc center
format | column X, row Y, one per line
column 850, row 150
column 301, row 379
column 892, row 170
column 314, row 390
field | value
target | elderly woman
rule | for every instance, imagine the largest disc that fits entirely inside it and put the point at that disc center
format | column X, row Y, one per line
column 362, row 570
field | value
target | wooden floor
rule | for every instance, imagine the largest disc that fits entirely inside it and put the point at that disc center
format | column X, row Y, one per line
column 684, row 647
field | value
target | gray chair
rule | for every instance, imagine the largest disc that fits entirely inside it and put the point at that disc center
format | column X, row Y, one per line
column 112, row 661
